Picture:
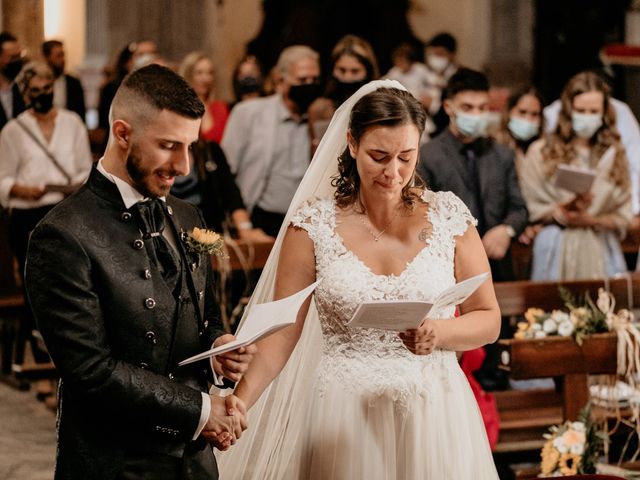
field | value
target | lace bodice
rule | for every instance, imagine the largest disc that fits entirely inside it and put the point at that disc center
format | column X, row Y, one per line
column 370, row 358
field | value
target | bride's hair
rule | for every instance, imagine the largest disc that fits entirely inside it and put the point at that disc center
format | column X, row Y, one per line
column 388, row 107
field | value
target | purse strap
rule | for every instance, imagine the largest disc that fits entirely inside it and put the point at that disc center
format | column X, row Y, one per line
column 50, row 156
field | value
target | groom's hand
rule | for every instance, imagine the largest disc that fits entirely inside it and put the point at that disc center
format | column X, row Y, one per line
column 222, row 429
column 235, row 363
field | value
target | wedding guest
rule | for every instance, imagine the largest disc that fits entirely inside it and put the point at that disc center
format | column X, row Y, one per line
column 120, row 300
column 411, row 73
column 197, row 69
column 465, row 161
column 367, row 403
column 353, row 64
column 121, row 67
column 585, row 137
column 629, row 130
column 522, row 121
column 247, row 79
column 44, row 155
column 11, row 62
column 67, row 89
column 441, row 65
column 267, row 140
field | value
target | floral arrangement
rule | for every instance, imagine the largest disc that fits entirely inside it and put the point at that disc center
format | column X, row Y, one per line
column 583, row 318
column 201, row 240
column 572, row 448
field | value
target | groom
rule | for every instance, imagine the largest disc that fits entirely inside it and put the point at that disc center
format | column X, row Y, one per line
column 120, row 299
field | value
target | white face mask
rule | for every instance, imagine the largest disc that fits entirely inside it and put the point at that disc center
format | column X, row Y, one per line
column 472, row 125
column 523, row 130
column 437, row 63
column 585, row 125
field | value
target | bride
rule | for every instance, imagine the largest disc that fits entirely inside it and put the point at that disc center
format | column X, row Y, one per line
column 350, row 403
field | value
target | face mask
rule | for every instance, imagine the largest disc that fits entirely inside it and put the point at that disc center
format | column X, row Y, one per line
column 12, row 69
column 247, row 85
column 343, row 90
column 472, row 126
column 522, row 129
column 585, row 125
column 437, row 63
column 304, row 95
column 42, row 103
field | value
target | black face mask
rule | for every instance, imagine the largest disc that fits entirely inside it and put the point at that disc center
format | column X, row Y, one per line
column 12, row 69
column 42, row 103
column 341, row 91
column 247, row 85
column 304, row 95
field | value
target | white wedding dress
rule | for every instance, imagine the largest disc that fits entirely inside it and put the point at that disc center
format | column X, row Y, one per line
column 377, row 411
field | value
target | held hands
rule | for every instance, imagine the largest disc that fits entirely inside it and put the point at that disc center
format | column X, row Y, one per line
column 227, row 421
column 235, row 363
column 496, row 242
column 423, row 340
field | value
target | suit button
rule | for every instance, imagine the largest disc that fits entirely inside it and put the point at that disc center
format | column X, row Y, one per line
column 183, row 235
column 200, row 295
column 169, row 210
column 138, row 244
column 151, row 337
column 146, row 274
column 149, row 303
column 206, row 324
column 171, row 376
column 201, row 333
column 143, row 365
column 126, row 216
column 193, row 267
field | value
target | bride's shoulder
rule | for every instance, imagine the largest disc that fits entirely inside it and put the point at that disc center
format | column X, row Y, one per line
column 450, row 209
column 314, row 210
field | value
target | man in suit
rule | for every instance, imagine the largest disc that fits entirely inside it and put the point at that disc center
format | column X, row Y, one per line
column 267, row 140
column 120, row 299
column 11, row 101
column 67, row 89
column 462, row 159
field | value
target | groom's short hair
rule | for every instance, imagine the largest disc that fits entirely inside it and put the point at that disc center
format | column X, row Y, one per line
column 151, row 89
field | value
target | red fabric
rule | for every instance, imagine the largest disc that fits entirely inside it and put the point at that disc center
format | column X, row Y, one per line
column 470, row 362
column 621, row 50
column 219, row 112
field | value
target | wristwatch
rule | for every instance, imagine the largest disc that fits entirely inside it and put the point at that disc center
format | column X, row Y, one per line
column 510, row 231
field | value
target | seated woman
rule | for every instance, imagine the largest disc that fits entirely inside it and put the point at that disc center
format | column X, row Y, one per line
column 364, row 403
column 581, row 236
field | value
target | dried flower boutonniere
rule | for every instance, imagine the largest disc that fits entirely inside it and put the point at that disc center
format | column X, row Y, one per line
column 202, row 240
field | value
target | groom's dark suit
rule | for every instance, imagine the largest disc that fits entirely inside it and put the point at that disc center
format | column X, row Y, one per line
column 116, row 332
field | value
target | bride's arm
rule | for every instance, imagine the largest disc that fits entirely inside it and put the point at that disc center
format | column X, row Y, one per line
column 296, row 270
column 479, row 322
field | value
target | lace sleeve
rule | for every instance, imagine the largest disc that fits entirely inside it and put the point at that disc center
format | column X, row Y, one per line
column 311, row 216
column 457, row 214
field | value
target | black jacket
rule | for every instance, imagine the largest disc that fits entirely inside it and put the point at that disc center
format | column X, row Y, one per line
column 109, row 323
column 18, row 106
column 75, row 96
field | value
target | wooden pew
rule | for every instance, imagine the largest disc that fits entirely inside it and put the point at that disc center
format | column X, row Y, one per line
column 525, row 415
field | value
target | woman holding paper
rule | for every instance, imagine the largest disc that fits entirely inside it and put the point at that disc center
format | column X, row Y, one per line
column 365, row 402
column 578, row 221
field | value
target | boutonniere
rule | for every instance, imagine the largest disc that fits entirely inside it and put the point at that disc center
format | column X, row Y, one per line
column 202, row 240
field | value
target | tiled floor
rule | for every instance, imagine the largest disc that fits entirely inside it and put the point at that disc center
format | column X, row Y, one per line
column 27, row 436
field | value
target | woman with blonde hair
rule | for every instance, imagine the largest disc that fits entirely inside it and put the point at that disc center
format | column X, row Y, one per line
column 586, row 137
column 197, row 69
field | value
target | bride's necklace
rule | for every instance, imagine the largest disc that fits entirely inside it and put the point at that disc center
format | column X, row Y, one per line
column 376, row 236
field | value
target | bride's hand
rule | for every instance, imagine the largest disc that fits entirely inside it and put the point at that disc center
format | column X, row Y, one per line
column 423, row 340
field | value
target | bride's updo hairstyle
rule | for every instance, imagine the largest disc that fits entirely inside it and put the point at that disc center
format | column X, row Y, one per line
column 386, row 107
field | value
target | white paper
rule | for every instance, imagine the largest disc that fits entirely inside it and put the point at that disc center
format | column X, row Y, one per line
column 401, row 315
column 574, row 179
column 263, row 319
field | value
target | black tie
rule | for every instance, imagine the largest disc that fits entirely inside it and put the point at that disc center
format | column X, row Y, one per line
column 472, row 168
column 161, row 254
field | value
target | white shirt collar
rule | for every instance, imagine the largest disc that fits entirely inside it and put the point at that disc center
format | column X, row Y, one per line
column 130, row 196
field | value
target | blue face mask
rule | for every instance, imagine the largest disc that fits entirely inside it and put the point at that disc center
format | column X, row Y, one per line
column 472, row 125
column 522, row 129
column 585, row 125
